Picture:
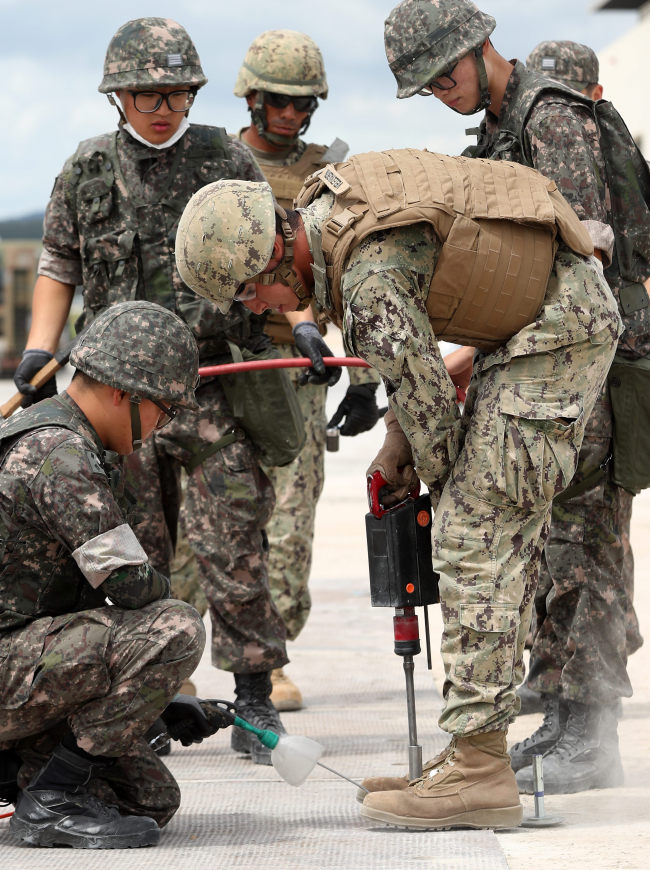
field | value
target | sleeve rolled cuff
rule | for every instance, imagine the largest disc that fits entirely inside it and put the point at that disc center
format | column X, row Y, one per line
column 59, row 268
column 102, row 555
column 602, row 236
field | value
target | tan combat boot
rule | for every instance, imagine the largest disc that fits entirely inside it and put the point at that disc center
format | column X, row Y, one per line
column 474, row 787
column 396, row 783
column 285, row 695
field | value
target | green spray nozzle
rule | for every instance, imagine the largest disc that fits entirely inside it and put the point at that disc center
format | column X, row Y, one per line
column 292, row 756
column 267, row 738
column 222, row 713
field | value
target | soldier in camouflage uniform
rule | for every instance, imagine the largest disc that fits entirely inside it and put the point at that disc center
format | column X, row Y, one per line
column 443, row 48
column 282, row 78
column 81, row 679
column 577, row 66
column 110, row 226
column 379, row 243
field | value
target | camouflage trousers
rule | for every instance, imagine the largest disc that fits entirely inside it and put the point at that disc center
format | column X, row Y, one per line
column 586, row 625
column 106, row 675
column 297, row 489
column 228, row 501
column 493, row 516
column 493, row 474
column 184, row 572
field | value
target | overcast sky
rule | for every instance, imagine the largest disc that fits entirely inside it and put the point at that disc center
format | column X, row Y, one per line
column 53, row 52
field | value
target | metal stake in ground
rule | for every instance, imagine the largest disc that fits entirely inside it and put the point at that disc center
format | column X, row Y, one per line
column 540, row 819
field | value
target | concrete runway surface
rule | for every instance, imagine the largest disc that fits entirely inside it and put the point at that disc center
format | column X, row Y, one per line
column 236, row 814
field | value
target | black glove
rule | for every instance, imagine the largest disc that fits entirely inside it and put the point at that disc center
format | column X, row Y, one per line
column 359, row 407
column 32, row 362
column 310, row 343
column 186, row 720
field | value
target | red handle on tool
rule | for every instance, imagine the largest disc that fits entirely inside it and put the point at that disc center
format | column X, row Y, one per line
column 281, row 363
column 375, row 484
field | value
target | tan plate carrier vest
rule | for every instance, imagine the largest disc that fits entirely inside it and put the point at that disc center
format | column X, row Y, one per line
column 286, row 182
column 497, row 222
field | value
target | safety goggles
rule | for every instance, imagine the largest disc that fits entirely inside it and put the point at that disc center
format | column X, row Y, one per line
column 442, row 82
column 150, row 101
column 281, row 101
column 246, row 293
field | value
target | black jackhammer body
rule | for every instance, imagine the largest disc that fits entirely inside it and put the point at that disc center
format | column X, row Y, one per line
column 402, row 576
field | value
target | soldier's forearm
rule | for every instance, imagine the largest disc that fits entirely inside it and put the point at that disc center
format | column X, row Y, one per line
column 50, row 309
column 296, row 317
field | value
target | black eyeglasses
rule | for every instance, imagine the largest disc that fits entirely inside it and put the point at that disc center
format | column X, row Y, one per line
column 443, row 82
column 171, row 412
column 281, row 101
column 150, row 101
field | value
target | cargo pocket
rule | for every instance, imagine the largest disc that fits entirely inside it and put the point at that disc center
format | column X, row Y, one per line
column 487, row 644
column 94, row 201
column 111, row 269
column 540, row 440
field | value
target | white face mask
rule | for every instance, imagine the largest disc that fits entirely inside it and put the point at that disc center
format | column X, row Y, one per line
column 171, row 141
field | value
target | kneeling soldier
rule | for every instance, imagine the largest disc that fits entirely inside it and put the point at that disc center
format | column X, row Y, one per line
column 92, row 649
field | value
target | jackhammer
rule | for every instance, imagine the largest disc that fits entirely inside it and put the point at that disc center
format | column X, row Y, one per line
column 402, row 576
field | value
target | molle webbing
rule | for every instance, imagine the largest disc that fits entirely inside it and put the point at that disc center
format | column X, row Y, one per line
column 286, row 182
column 497, row 221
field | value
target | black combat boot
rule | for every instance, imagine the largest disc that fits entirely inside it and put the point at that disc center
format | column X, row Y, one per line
column 57, row 810
column 556, row 713
column 253, row 703
column 585, row 756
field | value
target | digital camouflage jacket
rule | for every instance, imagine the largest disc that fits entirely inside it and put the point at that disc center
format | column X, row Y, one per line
column 65, row 541
column 111, row 224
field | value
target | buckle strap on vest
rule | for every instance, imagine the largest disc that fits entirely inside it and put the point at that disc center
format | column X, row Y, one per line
column 338, row 223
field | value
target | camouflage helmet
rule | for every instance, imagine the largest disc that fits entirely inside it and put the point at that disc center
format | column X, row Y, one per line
column 225, row 237
column 283, row 62
column 149, row 52
column 572, row 63
column 425, row 38
column 141, row 348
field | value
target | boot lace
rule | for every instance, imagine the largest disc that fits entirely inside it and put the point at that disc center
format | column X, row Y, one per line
column 546, row 730
column 431, row 772
column 262, row 715
column 574, row 738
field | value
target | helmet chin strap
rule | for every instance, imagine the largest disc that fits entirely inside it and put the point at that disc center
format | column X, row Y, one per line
column 284, row 272
column 484, row 96
column 114, row 102
column 136, row 424
column 258, row 117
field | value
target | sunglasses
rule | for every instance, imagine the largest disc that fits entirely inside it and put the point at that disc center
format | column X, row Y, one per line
column 281, row 101
column 245, row 293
